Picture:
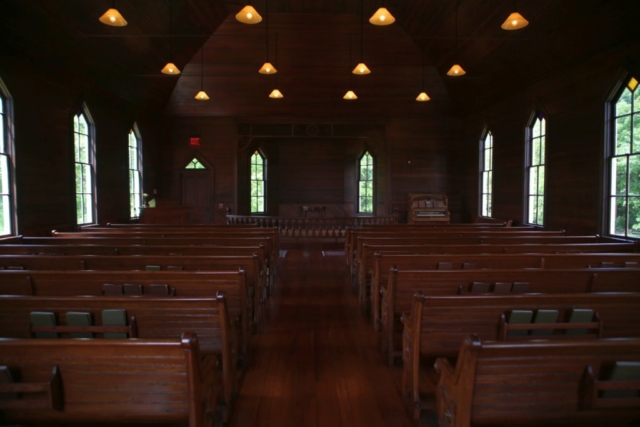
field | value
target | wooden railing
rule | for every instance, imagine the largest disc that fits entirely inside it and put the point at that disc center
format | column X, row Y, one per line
column 311, row 227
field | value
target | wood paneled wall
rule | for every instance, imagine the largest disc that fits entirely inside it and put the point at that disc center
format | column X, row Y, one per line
column 573, row 100
column 411, row 155
column 43, row 106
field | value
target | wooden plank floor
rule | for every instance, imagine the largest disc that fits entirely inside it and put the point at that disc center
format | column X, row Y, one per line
column 316, row 361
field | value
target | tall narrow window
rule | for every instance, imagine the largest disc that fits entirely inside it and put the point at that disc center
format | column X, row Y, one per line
column 365, row 184
column 135, row 173
column 7, row 199
column 535, row 159
column 258, row 180
column 624, row 203
column 84, row 167
column 486, row 174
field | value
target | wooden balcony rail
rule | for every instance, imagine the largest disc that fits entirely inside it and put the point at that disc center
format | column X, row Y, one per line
column 317, row 227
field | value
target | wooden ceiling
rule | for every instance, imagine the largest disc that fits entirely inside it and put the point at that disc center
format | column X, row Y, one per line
column 313, row 51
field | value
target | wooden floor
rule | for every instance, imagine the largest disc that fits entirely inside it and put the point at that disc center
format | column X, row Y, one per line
column 316, row 360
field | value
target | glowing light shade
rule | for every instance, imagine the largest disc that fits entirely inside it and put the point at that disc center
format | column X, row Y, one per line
column 515, row 21
column 202, row 96
column 361, row 69
column 248, row 15
column 423, row 97
column 456, row 71
column 382, row 17
column 276, row 94
column 267, row 68
column 113, row 17
column 350, row 96
column 170, row 69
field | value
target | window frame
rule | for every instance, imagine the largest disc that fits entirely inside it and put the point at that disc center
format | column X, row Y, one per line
column 610, row 154
column 91, row 162
column 135, row 131
column 264, row 180
column 8, row 149
column 486, row 134
column 364, row 153
column 537, row 116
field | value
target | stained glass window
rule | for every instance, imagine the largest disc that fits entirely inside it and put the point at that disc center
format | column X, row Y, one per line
column 486, row 174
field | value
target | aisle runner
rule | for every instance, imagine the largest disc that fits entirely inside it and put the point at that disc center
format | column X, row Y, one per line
column 332, row 253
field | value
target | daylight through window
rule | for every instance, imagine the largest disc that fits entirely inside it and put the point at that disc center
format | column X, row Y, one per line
column 624, row 203
column 6, row 151
column 535, row 171
column 486, row 174
column 365, row 184
column 257, row 183
column 84, row 169
column 135, row 174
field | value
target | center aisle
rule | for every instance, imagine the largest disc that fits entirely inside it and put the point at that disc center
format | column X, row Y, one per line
column 316, row 360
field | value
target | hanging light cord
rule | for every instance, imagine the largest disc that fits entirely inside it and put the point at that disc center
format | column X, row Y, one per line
column 455, row 51
column 266, row 20
column 276, row 58
column 423, row 70
column 361, row 30
column 202, row 68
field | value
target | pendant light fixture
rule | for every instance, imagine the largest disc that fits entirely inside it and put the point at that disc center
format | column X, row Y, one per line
column 515, row 21
column 267, row 68
column 361, row 69
column 422, row 96
column 350, row 95
column 170, row 68
column 202, row 95
column 248, row 15
column 382, row 16
column 276, row 94
column 112, row 17
column 456, row 70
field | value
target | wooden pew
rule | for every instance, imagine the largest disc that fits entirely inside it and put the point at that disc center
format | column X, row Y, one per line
column 434, row 233
column 397, row 297
column 352, row 233
column 270, row 256
column 62, row 381
column 155, row 317
column 436, row 326
column 470, row 239
column 383, row 262
column 186, row 284
column 250, row 265
column 365, row 266
column 542, row 382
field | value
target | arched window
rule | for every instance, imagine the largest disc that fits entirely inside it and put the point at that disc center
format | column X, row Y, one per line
column 135, row 172
column 7, row 196
column 535, row 168
column 624, row 162
column 258, row 183
column 486, row 174
column 84, row 152
column 365, row 183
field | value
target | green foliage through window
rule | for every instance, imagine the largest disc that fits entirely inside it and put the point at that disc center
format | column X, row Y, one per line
column 135, row 174
column 258, row 181
column 624, row 204
column 84, row 166
column 486, row 174
column 365, row 184
column 535, row 171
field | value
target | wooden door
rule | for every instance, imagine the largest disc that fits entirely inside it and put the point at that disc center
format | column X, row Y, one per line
column 197, row 195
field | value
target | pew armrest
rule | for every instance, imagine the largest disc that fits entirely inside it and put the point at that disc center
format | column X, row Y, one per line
column 51, row 392
column 591, row 392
